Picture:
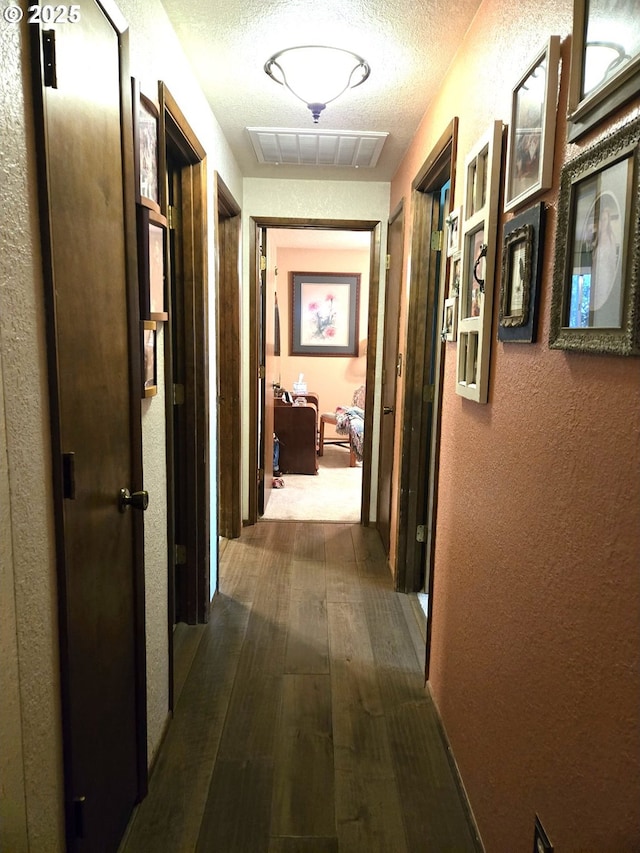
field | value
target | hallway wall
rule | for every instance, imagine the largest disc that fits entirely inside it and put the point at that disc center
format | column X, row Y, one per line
column 536, row 625
column 31, row 789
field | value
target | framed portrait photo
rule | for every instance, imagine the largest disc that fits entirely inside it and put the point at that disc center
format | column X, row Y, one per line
column 454, row 233
column 450, row 319
column 532, row 129
column 605, row 61
column 152, row 236
column 325, row 313
column 522, row 248
column 596, row 294
column 146, row 153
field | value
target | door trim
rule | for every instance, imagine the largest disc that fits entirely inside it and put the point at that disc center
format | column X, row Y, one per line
column 417, row 423
column 375, row 227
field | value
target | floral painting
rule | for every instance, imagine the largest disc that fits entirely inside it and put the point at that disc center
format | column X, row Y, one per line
column 324, row 313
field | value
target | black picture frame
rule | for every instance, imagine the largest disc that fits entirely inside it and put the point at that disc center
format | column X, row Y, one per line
column 595, row 304
column 522, row 253
column 325, row 310
column 152, row 252
column 146, row 121
column 595, row 92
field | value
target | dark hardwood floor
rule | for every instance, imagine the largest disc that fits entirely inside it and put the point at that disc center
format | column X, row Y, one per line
column 303, row 724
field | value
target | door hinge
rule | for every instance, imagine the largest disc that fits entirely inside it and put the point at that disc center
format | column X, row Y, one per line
column 78, row 816
column 399, row 364
column 180, row 558
column 420, row 533
column 178, row 394
column 262, row 372
column 263, row 263
column 437, row 240
column 49, row 59
column 428, row 393
column 260, row 474
column 173, row 217
column 69, row 476
column 387, row 262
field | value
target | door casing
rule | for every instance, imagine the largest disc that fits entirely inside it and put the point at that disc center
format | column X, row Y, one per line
column 256, row 223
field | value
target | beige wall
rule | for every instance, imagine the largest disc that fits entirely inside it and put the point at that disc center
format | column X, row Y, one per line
column 536, row 625
column 31, row 791
column 334, row 378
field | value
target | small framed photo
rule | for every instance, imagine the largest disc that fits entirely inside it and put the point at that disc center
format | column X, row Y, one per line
column 455, row 273
column 605, row 61
column 152, row 237
column 325, row 310
column 450, row 319
column 595, row 303
column 149, row 359
column 522, row 249
column 532, row 128
column 146, row 154
column 454, row 233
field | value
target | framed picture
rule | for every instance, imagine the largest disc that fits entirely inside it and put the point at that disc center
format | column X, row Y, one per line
column 522, row 249
column 453, row 231
column 532, row 129
column 324, row 313
column 455, row 273
column 146, row 156
column 596, row 294
column 152, row 236
column 605, row 61
column 450, row 319
column 149, row 359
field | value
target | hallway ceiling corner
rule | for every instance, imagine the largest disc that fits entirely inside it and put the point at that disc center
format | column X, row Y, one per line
column 408, row 45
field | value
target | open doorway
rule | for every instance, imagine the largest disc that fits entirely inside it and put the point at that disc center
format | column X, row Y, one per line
column 288, row 247
column 317, row 284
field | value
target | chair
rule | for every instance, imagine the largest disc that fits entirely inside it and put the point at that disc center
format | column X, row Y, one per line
column 347, row 422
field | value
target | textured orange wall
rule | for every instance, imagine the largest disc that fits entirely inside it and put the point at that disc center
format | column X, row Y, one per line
column 334, row 378
column 536, row 627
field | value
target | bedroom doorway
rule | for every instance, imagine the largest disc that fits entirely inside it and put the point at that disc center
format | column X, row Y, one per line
column 338, row 492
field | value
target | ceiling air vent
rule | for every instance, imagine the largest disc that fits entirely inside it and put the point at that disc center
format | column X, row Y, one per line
column 293, row 147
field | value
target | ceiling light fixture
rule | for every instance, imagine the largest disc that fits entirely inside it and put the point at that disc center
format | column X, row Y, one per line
column 317, row 75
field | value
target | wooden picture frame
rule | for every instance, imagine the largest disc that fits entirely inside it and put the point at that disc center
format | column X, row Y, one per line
column 149, row 359
column 152, row 249
column 454, row 231
column 325, row 310
column 146, row 119
column 450, row 319
column 605, row 61
column 532, row 129
column 595, row 303
column 522, row 250
column 455, row 274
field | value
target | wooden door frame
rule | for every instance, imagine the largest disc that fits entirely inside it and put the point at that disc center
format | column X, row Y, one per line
column 371, row 225
column 174, row 126
column 229, row 359
column 417, row 421
column 135, row 372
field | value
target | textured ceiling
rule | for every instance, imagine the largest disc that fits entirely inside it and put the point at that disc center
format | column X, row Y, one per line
column 409, row 46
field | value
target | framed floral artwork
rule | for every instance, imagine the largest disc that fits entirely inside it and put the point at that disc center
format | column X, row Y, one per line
column 324, row 313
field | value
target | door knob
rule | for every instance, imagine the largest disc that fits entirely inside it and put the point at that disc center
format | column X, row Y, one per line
column 387, row 410
column 137, row 500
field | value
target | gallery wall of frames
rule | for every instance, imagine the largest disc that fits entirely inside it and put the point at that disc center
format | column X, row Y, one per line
column 595, row 304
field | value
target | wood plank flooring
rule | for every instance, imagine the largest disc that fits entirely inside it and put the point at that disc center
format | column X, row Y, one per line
column 303, row 724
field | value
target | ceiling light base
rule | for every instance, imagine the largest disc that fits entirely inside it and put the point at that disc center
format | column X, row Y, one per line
column 316, row 109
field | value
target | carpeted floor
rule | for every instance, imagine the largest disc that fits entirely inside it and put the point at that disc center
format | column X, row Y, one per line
column 334, row 494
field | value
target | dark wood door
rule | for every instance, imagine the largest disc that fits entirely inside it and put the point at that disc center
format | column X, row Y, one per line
column 390, row 368
column 96, row 441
